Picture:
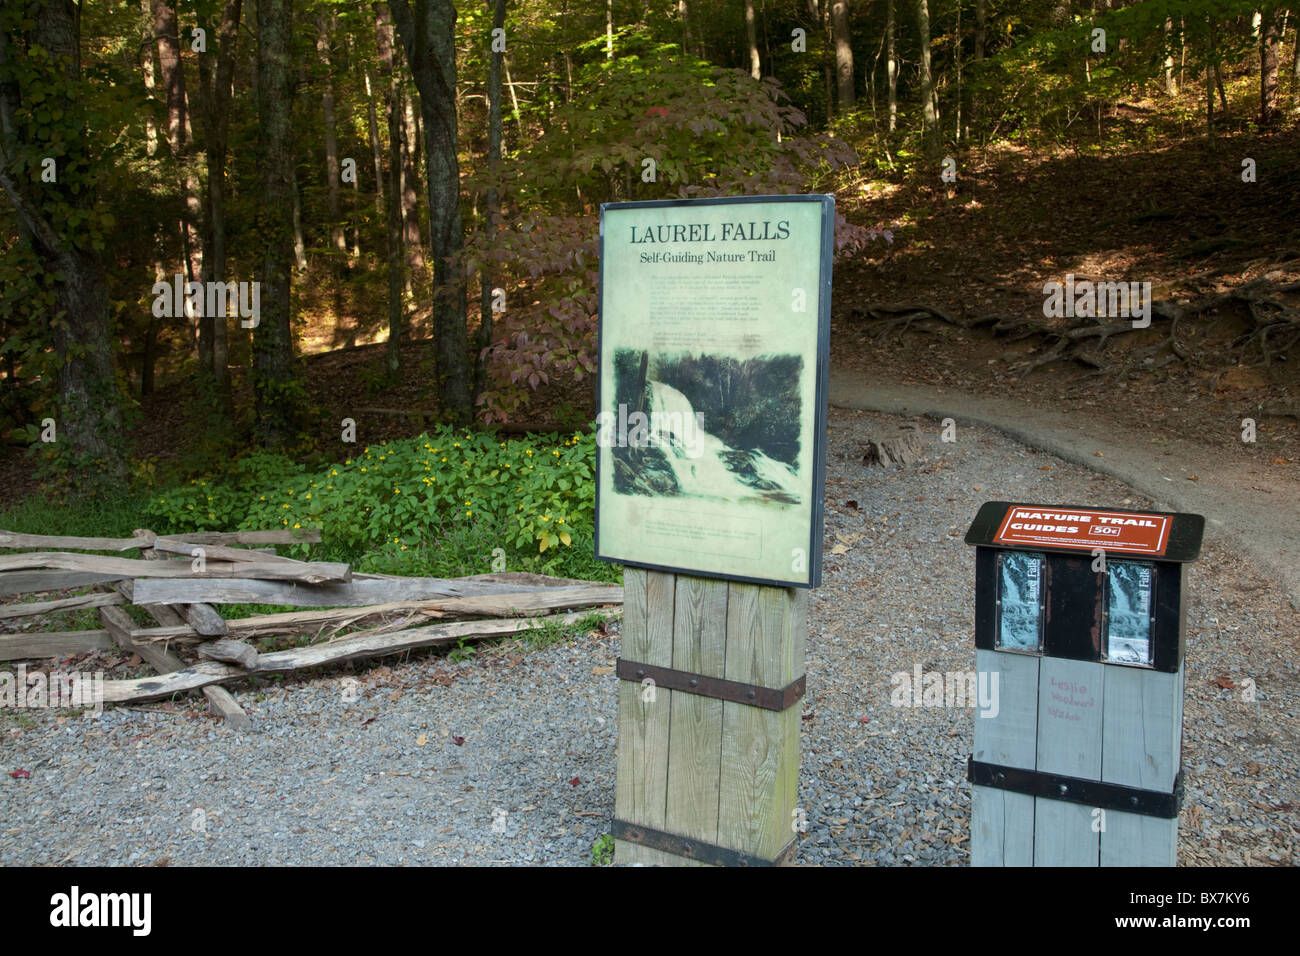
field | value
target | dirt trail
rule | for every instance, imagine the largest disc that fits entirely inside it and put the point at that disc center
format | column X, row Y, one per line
column 1243, row 500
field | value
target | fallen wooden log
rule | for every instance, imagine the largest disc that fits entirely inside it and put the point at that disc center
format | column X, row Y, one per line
column 47, row 644
column 314, row 572
column 358, row 592
column 65, row 604
column 217, row 552
column 207, row 673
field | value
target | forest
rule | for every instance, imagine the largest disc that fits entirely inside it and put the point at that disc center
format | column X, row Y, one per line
column 266, row 263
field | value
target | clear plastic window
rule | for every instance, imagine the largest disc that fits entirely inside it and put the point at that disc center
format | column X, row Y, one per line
column 1020, row 600
column 1128, row 612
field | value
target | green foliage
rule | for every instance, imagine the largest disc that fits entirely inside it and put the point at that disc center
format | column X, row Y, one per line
column 708, row 131
column 602, row 851
column 441, row 504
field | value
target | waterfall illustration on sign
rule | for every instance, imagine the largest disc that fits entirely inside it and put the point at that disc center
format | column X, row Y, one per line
column 1128, row 613
column 705, row 426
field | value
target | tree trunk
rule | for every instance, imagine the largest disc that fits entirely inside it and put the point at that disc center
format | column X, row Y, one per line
column 490, row 205
column 216, row 89
column 684, row 14
column 178, row 135
column 375, row 149
column 428, row 32
column 150, row 83
column 931, row 112
column 891, row 64
column 393, row 111
column 324, row 28
column 411, row 240
column 843, row 56
column 751, row 39
column 89, row 416
column 274, row 387
column 1171, row 86
column 981, row 29
column 609, row 29
column 1268, row 67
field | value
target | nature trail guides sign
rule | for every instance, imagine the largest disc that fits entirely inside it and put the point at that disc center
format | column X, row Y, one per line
column 714, row 341
column 1124, row 531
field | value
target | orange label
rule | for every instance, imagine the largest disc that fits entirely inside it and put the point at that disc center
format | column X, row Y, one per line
column 1086, row 529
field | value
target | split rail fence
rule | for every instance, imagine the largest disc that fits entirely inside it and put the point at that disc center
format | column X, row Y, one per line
column 192, row 647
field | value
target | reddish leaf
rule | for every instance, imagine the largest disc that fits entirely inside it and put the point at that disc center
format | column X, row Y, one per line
column 1224, row 681
column 20, row 774
column 575, row 781
column 368, row 720
column 457, row 740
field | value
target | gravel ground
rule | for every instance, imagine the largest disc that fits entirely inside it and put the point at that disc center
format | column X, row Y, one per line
column 509, row 757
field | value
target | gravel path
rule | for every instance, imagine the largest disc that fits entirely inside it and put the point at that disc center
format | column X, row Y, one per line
column 509, row 757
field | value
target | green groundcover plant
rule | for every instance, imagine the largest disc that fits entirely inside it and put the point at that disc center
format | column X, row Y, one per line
column 447, row 501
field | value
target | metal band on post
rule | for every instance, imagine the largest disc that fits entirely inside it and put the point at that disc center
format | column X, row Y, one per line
column 697, row 850
column 736, row 692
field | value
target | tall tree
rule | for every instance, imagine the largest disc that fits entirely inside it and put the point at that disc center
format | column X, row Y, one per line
column 179, row 134
column 393, row 108
column 751, row 40
column 216, row 90
column 1269, row 34
column 491, row 200
column 324, row 32
column 428, row 32
column 275, row 388
column 928, row 100
column 40, row 62
column 846, row 96
column 891, row 64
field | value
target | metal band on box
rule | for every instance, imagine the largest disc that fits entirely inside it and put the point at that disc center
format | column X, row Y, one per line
column 1092, row 793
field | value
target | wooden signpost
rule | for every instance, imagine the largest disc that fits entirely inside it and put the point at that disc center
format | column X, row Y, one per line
column 714, row 327
column 1079, row 623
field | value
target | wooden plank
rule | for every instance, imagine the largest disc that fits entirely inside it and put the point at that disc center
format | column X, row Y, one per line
column 641, row 783
column 49, row 644
column 1002, row 828
column 232, row 652
column 1141, row 747
column 9, row 611
column 355, row 593
column 699, row 645
column 280, row 536
column 1002, row 823
column 296, row 622
column 759, row 787
column 11, row 539
column 314, row 572
column 33, row 582
column 223, row 702
column 204, row 619
column 144, row 538
column 119, row 625
column 206, row 673
column 217, row 552
column 1070, row 696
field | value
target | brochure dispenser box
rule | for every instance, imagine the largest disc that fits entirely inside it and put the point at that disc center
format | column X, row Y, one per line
column 1079, row 623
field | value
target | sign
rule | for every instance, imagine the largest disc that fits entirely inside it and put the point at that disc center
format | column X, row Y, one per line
column 714, row 343
column 1045, row 526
